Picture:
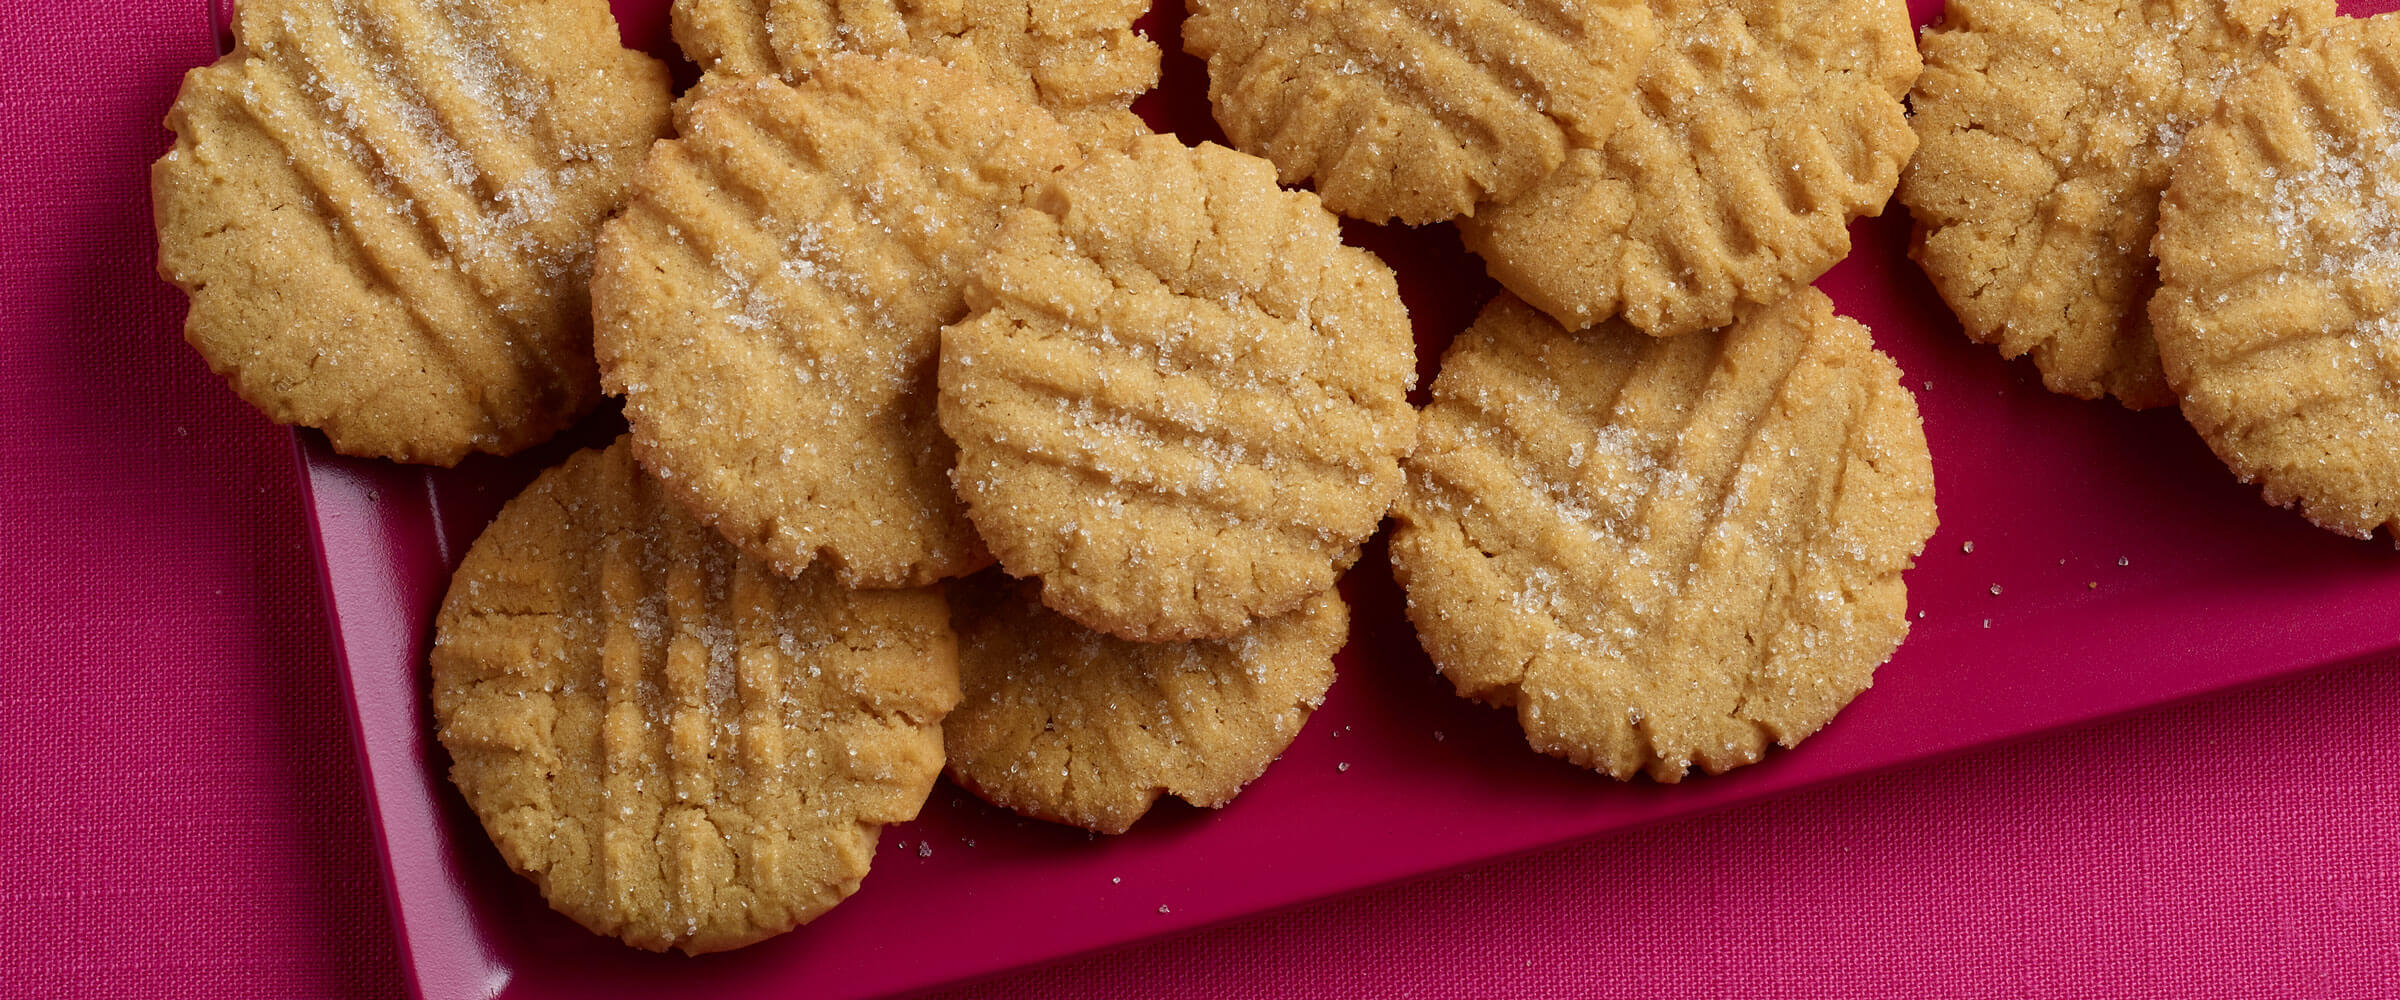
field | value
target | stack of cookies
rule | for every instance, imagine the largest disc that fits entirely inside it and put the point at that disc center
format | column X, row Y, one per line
column 1663, row 496
column 2192, row 202
column 972, row 426
column 890, row 295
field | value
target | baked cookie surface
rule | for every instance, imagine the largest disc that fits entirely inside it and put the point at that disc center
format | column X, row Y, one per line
column 1073, row 726
column 771, row 301
column 2046, row 134
column 1664, row 552
column 383, row 212
column 1180, row 401
column 1761, row 128
column 681, row 748
column 1418, row 111
column 2278, row 311
column 1081, row 59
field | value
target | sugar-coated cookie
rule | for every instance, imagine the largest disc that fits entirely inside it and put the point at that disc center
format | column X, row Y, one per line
column 1418, row 111
column 681, row 747
column 1079, row 58
column 772, row 299
column 2278, row 310
column 2045, row 134
column 1664, row 552
column 1074, row 726
column 1180, row 401
column 383, row 212
column 1762, row 128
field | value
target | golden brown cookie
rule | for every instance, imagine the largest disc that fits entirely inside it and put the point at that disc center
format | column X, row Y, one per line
column 771, row 301
column 1180, row 401
column 1079, row 58
column 2046, row 134
column 682, row 748
column 1073, row 726
column 1664, row 552
column 1762, row 128
column 2278, row 312
column 383, row 212
column 1418, row 111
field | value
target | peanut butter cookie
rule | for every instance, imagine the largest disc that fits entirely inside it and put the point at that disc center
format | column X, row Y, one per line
column 383, row 212
column 1079, row 58
column 1762, row 127
column 682, row 748
column 1069, row 725
column 1664, row 552
column 1418, row 111
column 771, row 301
column 2278, row 311
column 1180, row 400
column 2046, row 131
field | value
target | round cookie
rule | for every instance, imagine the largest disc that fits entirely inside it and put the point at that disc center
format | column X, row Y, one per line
column 771, row 300
column 1079, row 58
column 682, row 748
column 2046, row 133
column 1069, row 725
column 1418, row 111
column 383, row 212
column 1664, row 552
column 1761, row 129
column 2278, row 311
column 1180, row 401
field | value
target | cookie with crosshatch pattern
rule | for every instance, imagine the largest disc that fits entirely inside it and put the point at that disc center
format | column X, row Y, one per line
column 2278, row 309
column 383, row 211
column 2047, row 131
column 1418, row 111
column 1079, row 727
column 771, row 301
column 1180, row 401
column 1081, row 59
column 1664, row 552
column 1762, row 128
column 681, row 747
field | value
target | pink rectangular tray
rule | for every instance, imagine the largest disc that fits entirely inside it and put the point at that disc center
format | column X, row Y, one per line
column 2114, row 565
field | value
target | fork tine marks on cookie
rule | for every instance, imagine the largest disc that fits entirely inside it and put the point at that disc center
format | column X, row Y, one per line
column 771, row 301
column 2049, row 133
column 1180, row 400
column 1418, row 110
column 1731, row 181
column 1080, row 59
column 380, row 232
column 681, row 747
column 1066, row 724
column 1662, row 553
column 2279, row 295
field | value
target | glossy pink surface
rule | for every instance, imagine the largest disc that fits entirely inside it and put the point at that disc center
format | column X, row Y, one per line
column 2131, row 570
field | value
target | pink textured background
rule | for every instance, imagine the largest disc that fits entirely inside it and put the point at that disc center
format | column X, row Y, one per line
column 179, row 813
